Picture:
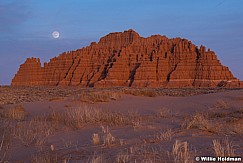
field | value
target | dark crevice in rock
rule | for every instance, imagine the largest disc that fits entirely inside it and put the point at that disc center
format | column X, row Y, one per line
column 81, row 79
column 197, row 68
column 107, row 66
column 169, row 74
column 69, row 68
column 133, row 73
column 89, row 84
column 157, row 69
column 74, row 71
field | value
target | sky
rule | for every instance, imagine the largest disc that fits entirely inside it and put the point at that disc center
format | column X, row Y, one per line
column 26, row 27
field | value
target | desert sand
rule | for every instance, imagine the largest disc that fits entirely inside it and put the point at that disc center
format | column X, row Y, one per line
column 55, row 124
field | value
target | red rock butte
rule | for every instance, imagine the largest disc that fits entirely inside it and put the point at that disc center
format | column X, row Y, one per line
column 126, row 59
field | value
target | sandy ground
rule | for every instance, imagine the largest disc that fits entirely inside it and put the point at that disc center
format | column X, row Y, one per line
column 141, row 141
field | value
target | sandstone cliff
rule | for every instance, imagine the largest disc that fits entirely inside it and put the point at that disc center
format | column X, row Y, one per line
column 126, row 59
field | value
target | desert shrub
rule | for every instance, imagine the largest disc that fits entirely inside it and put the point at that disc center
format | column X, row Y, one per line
column 202, row 122
column 103, row 96
column 56, row 98
column 42, row 158
column 182, row 153
column 122, row 157
column 95, row 139
column 45, row 157
column 227, row 121
column 96, row 159
column 5, row 139
column 79, row 116
column 159, row 137
column 165, row 112
column 16, row 113
column 141, row 92
column 165, row 136
column 221, row 104
column 33, row 132
column 199, row 120
column 146, row 152
column 108, row 138
column 236, row 127
column 223, row 148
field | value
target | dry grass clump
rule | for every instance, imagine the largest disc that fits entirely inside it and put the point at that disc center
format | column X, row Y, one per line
column 136, row 123
column 182, row 153
column 96, row 139
column 202, row 122
column 164, row 112
column 236, row 127
column 78, row 117
column 199, row 120
column 141, row 92
column 122, row 157
column 227, row 121
column 221, row 104
column 5, row 139
column 43, row 158
column 96, row 159
column 223, row 148
column 46, row 156
column 16, row 113
column 54, row 116
column 103, row 96
column 220, row 109
column 56, row 99
column 33, row 132
column 165, row 136
column 108, row 138
column 146, row 153
column 160, row 137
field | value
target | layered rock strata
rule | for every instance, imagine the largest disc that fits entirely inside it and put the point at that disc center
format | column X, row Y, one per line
column 126, row 59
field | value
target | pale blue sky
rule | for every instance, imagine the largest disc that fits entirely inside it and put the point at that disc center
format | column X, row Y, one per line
column 26, row 26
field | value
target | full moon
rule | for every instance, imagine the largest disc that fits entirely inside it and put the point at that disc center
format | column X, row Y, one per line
column 55, row 34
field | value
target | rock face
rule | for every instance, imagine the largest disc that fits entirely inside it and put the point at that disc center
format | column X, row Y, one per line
column 126, row 59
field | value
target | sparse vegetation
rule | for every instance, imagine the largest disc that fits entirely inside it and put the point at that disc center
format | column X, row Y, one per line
column 56, row 99
column 96, row 159
column 182, row 153
column 223, row 148
column 165, row 136
column 205, row 122
column 33, row 132
column 43, row 158
column 108, row 138
column 124, row 136
column 16, row 113
column 159, row 137
column 95, row 139
column 236, row 127
column 122, row 157
column 77, row 117
column 5, row 139
column 221, row 104
column 165, row 112
column 141, row 92
column 103, row 96
column 199, row 120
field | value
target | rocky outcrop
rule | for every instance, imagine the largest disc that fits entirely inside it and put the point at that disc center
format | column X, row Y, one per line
column 126, row 59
